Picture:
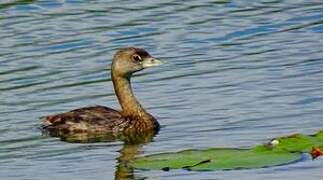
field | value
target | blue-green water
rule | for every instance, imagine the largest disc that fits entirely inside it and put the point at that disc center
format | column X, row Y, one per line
column 237, row 73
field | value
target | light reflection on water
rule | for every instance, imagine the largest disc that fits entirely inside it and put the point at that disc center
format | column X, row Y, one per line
column 237, row 73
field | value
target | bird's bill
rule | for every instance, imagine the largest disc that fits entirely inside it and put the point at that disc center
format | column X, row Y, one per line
column 151, row 62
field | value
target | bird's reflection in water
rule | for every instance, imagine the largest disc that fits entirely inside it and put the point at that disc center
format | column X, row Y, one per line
column 128, row 153
column 131, row 147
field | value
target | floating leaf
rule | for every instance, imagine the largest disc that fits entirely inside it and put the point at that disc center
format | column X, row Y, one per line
column 299, row 142
column 279, row 151
column 216, row 159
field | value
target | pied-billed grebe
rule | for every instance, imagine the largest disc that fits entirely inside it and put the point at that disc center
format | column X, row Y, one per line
column 99, row 119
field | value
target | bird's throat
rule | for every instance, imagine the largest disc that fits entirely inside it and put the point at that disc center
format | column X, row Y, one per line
column 129, row 104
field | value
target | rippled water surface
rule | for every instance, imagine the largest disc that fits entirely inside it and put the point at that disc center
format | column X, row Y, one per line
column 237, row 73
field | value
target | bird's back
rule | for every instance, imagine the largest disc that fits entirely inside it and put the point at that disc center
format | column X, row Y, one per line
column 90, row 123
column 88, row 119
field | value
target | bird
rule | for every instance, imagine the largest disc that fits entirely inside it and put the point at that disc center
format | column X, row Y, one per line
column 132, row 119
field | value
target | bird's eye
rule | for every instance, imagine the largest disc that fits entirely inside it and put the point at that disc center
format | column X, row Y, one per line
column 137, row 58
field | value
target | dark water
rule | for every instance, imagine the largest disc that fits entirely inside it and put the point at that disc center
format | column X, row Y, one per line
column 237, row 73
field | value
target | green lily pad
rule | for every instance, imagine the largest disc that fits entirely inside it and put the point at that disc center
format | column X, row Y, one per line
column 279, row 151
column 299, row 142
column 215, row 159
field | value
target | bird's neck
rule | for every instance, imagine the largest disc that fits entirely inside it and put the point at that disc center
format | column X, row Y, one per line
column 129, row 104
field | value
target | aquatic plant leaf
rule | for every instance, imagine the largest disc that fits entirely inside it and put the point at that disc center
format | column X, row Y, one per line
column 284, row 150
column 299, row 142
column 215, row 159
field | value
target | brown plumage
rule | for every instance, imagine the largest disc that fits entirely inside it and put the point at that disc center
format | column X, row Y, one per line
column 92, row 121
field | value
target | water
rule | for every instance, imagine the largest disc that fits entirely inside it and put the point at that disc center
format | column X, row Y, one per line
column 237, row 73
